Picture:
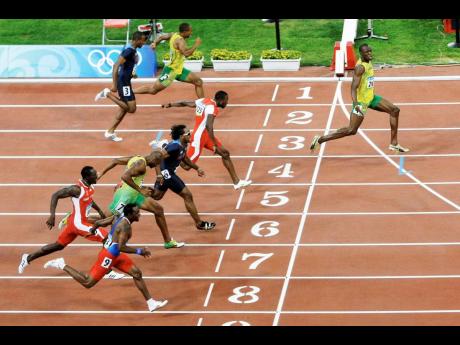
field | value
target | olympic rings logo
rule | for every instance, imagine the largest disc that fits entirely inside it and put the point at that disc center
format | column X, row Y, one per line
column 104, row 63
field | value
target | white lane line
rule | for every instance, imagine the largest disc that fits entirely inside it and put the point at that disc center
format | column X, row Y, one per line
column 226, row 80
column 267, row 117
column 248, row 312
column 293, row 184
column 408, row 174
column 394, row 277
column 242, row 156
column 328, row 214
column 240, row 199
column 305, row 210
column 219, row 262
column 230, row 228
column 208, row 296
column 243, row 130
column 259, row 141
column 200, row 321
column 275, row 92
column 248, row 174
column 386, row 244
column 235, row 105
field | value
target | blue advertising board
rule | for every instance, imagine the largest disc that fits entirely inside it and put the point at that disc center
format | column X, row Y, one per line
column 47, row 61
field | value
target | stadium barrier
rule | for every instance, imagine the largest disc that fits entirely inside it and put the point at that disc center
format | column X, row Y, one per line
column 66, row 61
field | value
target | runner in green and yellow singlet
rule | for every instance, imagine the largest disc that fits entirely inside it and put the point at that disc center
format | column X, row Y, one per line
column 363, row 96
column 131, row 191
column 175, row 69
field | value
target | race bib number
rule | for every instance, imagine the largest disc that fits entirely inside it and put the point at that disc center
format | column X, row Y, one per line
column 106, row 262
column 120, row 208
column 107, row 242
column 166, row 174
column 370, row 82
column 199, row 110
column 126, row 91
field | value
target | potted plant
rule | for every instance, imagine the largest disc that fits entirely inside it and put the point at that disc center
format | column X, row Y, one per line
column 193, row 63
column 227, row 60
column 280, row 60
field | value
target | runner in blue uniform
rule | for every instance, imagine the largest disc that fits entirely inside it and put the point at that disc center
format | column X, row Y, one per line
column 173, row 154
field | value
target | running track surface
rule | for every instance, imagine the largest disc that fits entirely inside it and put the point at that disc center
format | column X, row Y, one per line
column 343, row 236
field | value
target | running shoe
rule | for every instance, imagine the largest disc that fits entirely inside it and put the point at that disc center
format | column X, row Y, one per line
column 56, row 263
column 398, row 148
column 314, row 143
column 206, row 226
column 114, row 275
column 63, row 221
column 173, row 244
column 102, row 94
column 112, row 136
column 242, row 183
column 154, row 305
column 23, row 264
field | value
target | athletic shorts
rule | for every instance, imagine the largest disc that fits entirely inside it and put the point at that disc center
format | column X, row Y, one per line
column 123, row 197
column 106, row 262
column 174, row 183
column 71, row 231
column 196, row 146
column 125, row 90
column 364, row 106
column 168, row 75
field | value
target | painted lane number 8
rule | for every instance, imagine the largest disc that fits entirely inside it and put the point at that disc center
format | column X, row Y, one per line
column 238, row 294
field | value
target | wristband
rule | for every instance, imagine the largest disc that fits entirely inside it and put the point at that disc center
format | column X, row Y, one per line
column 139, row 251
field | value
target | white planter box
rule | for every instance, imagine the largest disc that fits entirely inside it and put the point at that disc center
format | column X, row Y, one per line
column 192, row 65
column 231, row 65
column 280, row 65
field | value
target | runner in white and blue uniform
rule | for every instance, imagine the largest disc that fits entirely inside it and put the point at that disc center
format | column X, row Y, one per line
column 173, row 154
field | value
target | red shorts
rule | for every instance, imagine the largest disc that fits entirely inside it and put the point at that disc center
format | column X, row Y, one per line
column 106, row 261
column 196, row 146
column 71, row 231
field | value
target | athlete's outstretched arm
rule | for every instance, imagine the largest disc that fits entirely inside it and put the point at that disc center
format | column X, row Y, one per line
column 190, row 104
column 101, row 222
column 115, row 162
column 137, row 169
column 192, row 165
column 98, row 209
column 123, row 237
column 163, row 37
column 71, row 191
column 182, row 47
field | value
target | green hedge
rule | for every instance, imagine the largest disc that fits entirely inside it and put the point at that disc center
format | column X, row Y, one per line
column 280, row 54
column 225, row 54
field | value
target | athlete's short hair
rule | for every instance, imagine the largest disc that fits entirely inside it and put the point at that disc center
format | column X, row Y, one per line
column 177, row 131
column 129, row 209
column 362, row 46
column 220, row 95
column 137, row 35
column 184, row 27
column 86, row 171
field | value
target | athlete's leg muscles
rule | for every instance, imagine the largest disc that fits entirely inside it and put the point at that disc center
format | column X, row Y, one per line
column 190, row 205
column 228, row 164
column 152, row 206
column 352, row 129
column 122, row 104
column 194, row 79
column 139, row 281
column 388, row 107
column 117, row 120
column 45, row 250
column 153, row 89
column 83, row 278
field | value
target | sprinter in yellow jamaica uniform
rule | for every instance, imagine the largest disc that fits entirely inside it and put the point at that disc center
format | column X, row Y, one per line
column 175, row 70
column 363, row 96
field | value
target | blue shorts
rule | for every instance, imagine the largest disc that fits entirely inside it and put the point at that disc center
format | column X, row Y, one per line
column 174, row 183
column 125, row 90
